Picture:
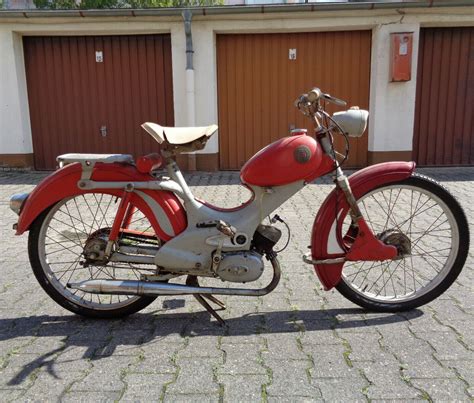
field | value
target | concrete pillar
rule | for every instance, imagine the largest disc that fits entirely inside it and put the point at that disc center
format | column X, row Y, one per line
column 392, row 104
column 16, row 148
column 205, row 86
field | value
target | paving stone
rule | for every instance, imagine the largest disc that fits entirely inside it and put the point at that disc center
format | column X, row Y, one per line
column 19, row 370
column 240, row 361
column 363, row 347
column 447, row 347
column 386, row 382
column 293, row 398
column 195, row 376
column 51, row 385
column 192, row 397
column 242, row 388
column 145, row 387
column 342, row 389
column 11, row 395
column 441, row 390
column 299, row 341
column 283, row 346
column 290, row 378
column 156, row 360
column 329, row 361
column 105, row 374
column 98, row 396
column 322, row 337
column 205, row 346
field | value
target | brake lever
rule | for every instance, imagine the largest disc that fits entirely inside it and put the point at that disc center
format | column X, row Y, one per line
column 334, row 100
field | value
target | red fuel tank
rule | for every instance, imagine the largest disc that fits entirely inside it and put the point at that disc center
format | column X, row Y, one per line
column 286, row 160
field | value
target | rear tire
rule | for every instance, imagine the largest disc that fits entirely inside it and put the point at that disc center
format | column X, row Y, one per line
column 419, row 266
column 70, row 239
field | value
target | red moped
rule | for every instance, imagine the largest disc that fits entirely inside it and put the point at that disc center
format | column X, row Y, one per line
column 107, row 235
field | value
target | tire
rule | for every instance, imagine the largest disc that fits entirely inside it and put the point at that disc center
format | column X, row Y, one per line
column 49, row 278
column 428, row 201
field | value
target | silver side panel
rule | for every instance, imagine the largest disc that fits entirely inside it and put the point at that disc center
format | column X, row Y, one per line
column 193, row 247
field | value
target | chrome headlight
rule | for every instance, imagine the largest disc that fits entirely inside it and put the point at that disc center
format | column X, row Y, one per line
column 17, row 201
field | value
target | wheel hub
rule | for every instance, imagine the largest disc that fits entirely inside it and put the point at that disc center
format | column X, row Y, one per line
column 398, row 239
column 94, row 249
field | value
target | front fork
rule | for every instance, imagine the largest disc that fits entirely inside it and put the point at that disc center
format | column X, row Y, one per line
column 366, row 246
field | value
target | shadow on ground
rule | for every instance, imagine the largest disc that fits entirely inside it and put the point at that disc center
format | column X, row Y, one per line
column 102, row 338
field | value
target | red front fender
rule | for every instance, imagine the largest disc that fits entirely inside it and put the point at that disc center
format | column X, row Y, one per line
column 325, row 243
column 63, row 183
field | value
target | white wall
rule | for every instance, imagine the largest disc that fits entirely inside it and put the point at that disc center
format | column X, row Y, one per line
column 391, row 104
column 15, row 131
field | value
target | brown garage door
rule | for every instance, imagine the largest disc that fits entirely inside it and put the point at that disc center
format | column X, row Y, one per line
column 81, row 104
column 444, row 128
column 257, row 84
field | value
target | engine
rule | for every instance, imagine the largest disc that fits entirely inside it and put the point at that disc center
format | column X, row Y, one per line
column 240, row 267
column 265, row 238
column 247, row 266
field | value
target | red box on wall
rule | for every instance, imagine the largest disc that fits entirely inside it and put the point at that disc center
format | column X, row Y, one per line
column 401, row 44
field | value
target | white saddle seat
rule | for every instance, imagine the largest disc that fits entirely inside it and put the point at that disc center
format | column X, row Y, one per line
column 178, row 135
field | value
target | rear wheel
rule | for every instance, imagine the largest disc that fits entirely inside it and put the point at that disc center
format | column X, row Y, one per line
column 430, row 230
column 66, row 244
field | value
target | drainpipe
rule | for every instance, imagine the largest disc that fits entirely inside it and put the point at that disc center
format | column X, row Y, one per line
column 189, row 85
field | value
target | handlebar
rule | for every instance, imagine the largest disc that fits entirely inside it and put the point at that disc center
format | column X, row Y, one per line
column 313, row 97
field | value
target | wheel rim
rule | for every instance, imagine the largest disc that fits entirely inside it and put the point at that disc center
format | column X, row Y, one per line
column 433, row 234
column 64, row 233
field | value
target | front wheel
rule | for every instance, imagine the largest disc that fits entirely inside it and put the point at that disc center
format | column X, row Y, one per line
column 430, row 230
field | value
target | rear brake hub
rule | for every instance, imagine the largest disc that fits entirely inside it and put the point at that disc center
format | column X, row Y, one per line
column 94, row 249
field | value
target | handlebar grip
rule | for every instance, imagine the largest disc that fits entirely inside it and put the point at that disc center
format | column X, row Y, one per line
column 314, row 95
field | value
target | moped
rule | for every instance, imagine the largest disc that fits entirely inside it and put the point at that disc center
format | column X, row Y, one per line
column 107, row 235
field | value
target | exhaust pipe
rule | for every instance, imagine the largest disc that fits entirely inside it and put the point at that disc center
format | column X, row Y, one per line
column 136, row 287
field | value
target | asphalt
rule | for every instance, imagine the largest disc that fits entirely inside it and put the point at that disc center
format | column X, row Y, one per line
column 298, row 343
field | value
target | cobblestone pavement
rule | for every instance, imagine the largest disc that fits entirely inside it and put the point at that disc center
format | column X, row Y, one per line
column 299, row 343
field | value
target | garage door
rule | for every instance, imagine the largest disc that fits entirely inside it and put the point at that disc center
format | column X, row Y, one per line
column 444, row 127
column 260, row 75
column 90, row 94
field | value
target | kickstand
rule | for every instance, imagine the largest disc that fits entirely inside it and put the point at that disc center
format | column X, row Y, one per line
column 193, row 281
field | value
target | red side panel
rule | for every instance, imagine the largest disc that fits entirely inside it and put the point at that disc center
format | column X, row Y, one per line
column 325, row 242
column 63, row 183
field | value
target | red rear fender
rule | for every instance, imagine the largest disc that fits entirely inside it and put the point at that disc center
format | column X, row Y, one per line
column 163, row 209
column 325, row 242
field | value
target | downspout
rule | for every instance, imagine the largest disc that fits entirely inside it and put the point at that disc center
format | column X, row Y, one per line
column 189, row 84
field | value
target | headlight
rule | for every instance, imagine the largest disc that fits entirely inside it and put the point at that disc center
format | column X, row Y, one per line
column 17, row 201
column 352, row 121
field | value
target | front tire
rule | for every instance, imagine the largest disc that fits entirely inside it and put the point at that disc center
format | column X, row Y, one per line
column 422, row 211
column 56, row 249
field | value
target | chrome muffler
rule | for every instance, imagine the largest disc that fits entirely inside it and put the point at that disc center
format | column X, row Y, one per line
column 136, row 287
